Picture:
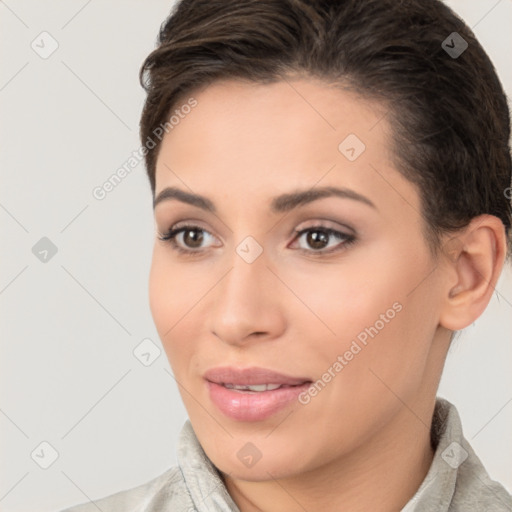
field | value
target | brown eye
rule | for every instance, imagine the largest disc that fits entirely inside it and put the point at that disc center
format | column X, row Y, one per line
column 190, row 242
column 192, row 237
column 318, row 238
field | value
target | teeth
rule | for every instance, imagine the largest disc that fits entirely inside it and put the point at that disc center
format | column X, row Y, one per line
column 256, row 387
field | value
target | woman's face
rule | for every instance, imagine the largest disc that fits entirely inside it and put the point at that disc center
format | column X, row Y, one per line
column 354, row 311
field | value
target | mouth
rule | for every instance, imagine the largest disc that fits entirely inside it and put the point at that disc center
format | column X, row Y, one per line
column 252, row 394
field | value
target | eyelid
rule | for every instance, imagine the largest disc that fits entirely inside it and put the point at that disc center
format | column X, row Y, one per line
column 181, row 227
column 327, row 224
column 345, row 239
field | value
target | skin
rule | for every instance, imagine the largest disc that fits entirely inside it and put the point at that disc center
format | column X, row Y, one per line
column 364, row 440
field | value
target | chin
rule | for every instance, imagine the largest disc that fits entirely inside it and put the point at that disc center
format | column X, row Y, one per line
column 261, row 472
column 242, row 460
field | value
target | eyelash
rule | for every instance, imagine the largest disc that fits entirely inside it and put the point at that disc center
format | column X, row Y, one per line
column 170, row 237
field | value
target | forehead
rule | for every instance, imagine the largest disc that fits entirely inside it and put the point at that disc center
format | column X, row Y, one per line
column 295, row 109
column 245, row 139
column 250, row 124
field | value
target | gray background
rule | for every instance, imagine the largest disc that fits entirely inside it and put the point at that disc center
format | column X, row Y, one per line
column 70, row 324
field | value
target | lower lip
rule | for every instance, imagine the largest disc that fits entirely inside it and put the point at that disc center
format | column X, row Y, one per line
column 253, row 406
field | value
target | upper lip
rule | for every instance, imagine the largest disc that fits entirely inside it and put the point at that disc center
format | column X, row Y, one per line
column 250, row 376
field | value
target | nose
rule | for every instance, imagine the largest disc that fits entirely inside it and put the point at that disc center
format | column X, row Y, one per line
column 246, row 303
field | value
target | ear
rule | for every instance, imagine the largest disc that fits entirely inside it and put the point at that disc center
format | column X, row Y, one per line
column 473, row 261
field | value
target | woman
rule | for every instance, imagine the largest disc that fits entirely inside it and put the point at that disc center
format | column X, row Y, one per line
column 331, row 187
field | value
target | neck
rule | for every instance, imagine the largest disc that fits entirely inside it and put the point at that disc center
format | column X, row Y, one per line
column 383, row 473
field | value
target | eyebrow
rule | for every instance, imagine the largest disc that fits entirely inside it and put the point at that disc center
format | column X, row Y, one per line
column 279, row 204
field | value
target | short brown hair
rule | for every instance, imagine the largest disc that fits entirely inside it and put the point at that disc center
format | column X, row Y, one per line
column 449, row 115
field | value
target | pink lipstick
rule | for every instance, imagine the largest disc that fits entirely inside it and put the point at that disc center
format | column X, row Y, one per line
column 252, row 394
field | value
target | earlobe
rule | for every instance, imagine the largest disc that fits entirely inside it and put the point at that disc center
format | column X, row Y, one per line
column 473, row 259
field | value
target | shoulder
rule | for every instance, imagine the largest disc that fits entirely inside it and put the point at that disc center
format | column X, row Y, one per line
column 457, row 480
column 162, row 491
column 476, row 491
column 473, row 489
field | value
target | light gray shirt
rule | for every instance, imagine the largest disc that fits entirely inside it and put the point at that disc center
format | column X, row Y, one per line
column 455, row 482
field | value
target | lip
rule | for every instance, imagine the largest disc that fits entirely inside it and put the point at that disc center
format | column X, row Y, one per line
column 247, row 405
column 251, row 376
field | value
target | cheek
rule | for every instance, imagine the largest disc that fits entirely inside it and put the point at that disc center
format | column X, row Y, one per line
column 173, row 293
column 394, row 324
column 165, row 300
column 159, row 281
column 344, row 298
column 375, row 312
